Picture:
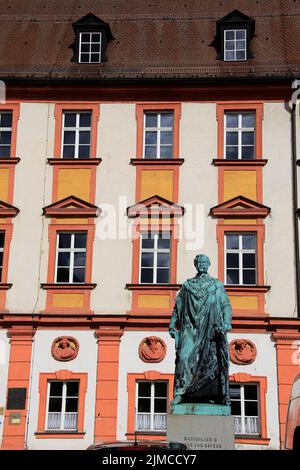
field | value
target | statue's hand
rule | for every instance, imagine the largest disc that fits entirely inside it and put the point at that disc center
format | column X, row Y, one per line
column 174, row 334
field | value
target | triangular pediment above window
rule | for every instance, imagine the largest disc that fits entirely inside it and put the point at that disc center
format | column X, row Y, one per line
column 155, row 206
column 241, row 207
column 71, row 206
column 7, row 210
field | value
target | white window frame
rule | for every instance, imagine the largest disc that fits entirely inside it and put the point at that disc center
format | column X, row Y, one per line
column 63, row 409
column 70, row 250
column 240, row 252
column 76, row 129
column 240, row 129
column 235, row 50
column 243, row 417
column 2, row 251
column 158, row 131
column 152, row 401
column 6, row 129
column 155, row 252
column 90, row 42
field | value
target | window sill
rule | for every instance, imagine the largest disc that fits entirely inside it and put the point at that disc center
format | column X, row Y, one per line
column 225, row 162
column 9, row 161
column 59, row 435
column 240, row 288
column 157, row 161
column 140, row 435
column 74, row 161
column 252, row 440
column 54, row 286
column 167, row 287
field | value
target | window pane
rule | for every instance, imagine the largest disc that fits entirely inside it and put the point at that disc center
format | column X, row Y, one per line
column 147, row 241
column 72, row 389
column 85, row 48
column 166, row 137
column 166, row 120
column 146, row 275
column 248, row 242
column 147, row 260
column 229, row 45
column 251, row 408
column 160, row 389
column 1, row 258
column 84, row 137
column 95, row 48
column 163, row 260
column 85, row 119
column 229, row 34
column 150, row 137
column 84, row 151
column 240, row 34
column 240, row 55
column 241, row 45
column 84, row 58
column 56, row 389
column 79, row 259
column 232, row 120
column 64, row 240
column 229, row 55
column 163, row 241
column 96, row 37
column 62, row 275
column 144, row 405
column 232, row 260
column 249, row 276
column 79, row 275
column 232, row 276
column 160, row 405
column 5, row 137
column 80, row 240
column 85, row 37
column 70, row 120
column 232, row 153
column 144, row 389
column 69, row 137
column 248, row 120
column 4, row 151
column 250, row 392
column 68, row 151
column 162, row 276
column 151, row 152
column 249, row 260
column 236, row 408
column 63, row 259
column 247, row 138
column 6, row 120
column 95, row 58
column 55, row 405
column 232, row 242
column 234, row 391
column 1, row 239
column 71, row 405
column 231, row 138
column 248, row 153
column 151, row 120
column 166, row 151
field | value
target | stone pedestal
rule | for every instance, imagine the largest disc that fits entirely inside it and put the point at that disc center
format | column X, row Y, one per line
column 202, row 432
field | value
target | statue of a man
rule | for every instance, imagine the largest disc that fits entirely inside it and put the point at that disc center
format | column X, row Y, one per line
column 200, row 319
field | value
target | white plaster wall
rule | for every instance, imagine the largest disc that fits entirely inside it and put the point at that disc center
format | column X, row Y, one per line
column 198, row 185
column 279, row 244
column 112, row 258
column 86, row 361
column 4, row 362
column 265, row 365
column 33, row 189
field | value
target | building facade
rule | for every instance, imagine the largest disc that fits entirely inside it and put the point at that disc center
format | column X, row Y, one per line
column 133, row 137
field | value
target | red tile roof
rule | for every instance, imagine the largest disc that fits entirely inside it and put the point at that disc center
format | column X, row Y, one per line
column 153, row 38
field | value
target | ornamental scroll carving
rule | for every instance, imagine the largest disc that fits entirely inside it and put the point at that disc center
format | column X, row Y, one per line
column 65, row 348
column 152, row 349
column 242, row 351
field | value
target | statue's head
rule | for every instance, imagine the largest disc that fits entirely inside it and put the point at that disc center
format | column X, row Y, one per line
column 202, row 263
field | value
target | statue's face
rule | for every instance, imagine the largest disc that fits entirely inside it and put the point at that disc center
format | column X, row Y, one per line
column 203, row 264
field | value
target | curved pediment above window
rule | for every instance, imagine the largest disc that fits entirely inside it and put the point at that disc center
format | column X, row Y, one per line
column 155, row 206
column 7, row 210
column 92, row 37
column 240, row 207
column 71, row 206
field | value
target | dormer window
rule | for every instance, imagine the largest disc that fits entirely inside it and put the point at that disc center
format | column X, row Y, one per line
column 92, row 38
column 90, row 48
column 234, row 34
column 235, row 44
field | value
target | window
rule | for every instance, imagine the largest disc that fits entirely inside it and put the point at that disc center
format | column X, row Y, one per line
column 240, row 258
column 71, row 257
column 244, row 408
column 76, row 140
column 239, row 136
column 151, row 406
column 1, row 253
column 158, row 135
column 90, row 48
column 235, row 44
column 5, row 133
column 155, row 258
column 62, row 406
